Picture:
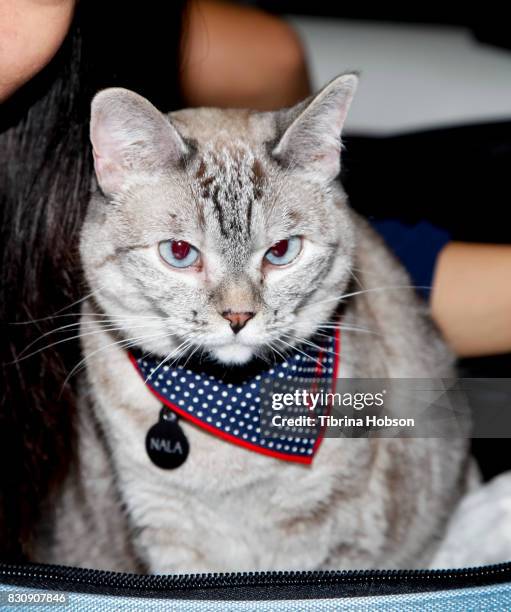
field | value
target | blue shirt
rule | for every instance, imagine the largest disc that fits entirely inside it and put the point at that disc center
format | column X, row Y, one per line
column 416, row 246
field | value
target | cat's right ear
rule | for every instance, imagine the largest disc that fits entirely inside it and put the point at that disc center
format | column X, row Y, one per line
column 130, row 138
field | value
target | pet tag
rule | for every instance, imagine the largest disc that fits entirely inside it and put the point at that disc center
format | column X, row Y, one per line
column 166, row 443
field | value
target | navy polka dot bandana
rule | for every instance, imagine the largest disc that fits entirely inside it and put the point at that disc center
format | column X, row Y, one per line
column 238, row 412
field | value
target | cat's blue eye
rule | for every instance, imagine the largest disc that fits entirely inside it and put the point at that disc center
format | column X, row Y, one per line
column 284, row 251
column 178, row 253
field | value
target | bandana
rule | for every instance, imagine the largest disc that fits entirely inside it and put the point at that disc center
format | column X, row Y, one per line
column 234, row 411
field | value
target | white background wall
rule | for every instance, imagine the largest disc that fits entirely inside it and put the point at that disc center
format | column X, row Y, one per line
column 413, row 76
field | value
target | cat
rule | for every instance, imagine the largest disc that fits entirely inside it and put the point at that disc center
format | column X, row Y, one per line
column 224, row 232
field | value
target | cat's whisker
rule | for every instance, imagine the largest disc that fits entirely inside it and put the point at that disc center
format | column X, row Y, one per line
column 356, row 331
column 82, row 299
column 164, row 361
column 303, row 340
column 79, row 324
column 125, row 343
column 197, row 347
column 22, row 357
column 356, row 279
column 275, row 350
column 81, row 316
column 294, row 348
column 344, row 296
column 349, row 328
column 342, row 327
column 181, row 353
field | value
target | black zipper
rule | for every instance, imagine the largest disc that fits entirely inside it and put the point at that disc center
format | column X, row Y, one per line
column 251, row 585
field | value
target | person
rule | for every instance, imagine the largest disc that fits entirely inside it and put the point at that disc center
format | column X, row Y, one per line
column 54, row 55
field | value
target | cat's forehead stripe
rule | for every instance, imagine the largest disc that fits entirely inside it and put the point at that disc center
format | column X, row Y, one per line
column 229, row 179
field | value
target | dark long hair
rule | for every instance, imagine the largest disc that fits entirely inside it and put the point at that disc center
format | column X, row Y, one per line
column 45, row 172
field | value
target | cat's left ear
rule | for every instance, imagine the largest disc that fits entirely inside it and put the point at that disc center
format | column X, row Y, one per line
column 312, row 137
column 130, row 138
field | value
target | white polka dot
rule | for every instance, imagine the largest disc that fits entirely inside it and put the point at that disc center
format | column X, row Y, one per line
column 191, row 385
column 177, row 388
column 224, row 393
column 209, row 397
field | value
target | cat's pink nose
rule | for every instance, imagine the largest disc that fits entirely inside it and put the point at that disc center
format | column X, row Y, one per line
column 237, row 320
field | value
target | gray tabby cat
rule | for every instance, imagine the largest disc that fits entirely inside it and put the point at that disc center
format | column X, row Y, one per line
column 232, row 183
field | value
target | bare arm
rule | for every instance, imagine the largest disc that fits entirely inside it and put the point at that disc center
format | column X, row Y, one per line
column 236, row 55
column 471, row 298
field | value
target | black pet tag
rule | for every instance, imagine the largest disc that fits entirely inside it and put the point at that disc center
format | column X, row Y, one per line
column 165, row 443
